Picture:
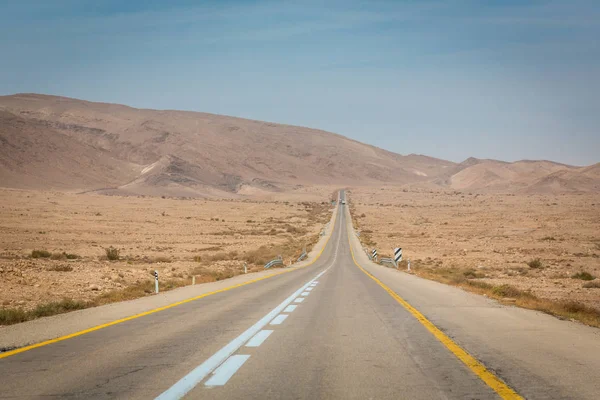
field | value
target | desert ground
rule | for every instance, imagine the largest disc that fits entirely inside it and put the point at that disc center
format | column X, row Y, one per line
column 548, row 245
column 53, row 244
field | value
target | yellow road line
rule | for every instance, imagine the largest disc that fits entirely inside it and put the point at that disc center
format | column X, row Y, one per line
column 503, row 390
column 98, row 327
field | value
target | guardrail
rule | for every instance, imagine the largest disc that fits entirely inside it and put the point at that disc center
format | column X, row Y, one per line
column 302, row 256
column 277, row 261
column 385, row 260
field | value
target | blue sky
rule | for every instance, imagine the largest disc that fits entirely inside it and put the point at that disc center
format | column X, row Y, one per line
column 498, row 79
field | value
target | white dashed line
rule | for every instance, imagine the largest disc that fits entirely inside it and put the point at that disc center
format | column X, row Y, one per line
column 279, row 319
column 223, row 364
column 290, row 308
column 226, row 370
column 259, row 338
column 197, row 375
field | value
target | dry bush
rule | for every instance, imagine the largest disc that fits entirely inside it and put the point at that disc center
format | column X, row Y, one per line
column 40, row 254
column 112, row 253
column 61, row 268
column 10, row 316
column 592, row 285
column 221, row 256
column 506, row 290
column 584, row 276
column 535, row 263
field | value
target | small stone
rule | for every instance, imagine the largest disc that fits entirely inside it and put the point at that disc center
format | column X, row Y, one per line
column 94, row 287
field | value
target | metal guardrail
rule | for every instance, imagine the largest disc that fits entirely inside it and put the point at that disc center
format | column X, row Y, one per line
column 277, row 261
column 302, row 256
column 385, row 260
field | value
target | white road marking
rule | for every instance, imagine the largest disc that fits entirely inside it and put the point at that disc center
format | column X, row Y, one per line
column 299, row 300
column 226, row 370
column 309, row 289
column 188, row 382
column 314, row 284
column 290, row 308
column 259, row 338
column 279, row 319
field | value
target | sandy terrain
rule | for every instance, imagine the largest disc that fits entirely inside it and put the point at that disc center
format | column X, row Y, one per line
column 493, row 235
column 177, row 237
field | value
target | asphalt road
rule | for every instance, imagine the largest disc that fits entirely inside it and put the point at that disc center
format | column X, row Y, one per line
column 327, row 330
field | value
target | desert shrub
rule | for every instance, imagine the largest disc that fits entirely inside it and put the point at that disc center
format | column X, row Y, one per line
column 574, row 307
column 61, row 268
column 295, row 229
column 584, row 276
column 64, row 256
column 592, row 285
column 57, row 307
column 550, row 238
column 535, row 263
column 40, row 254
column 480, row 284
column 506, row 291
column 472, row 274
column 198, row 258
column 162, row 259
column 220, row 256
column 112, row 253
column 58, row 256
column 9, row 316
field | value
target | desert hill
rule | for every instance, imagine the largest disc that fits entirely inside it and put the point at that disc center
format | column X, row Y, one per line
column 50, row 142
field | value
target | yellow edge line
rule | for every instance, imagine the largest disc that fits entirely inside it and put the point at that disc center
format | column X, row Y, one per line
column 503, row 390
column 118, row 321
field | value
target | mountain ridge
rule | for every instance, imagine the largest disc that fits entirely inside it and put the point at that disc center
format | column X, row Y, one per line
column 118, row 149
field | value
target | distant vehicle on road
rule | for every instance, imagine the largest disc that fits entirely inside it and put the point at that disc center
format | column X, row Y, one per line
column 343, row 202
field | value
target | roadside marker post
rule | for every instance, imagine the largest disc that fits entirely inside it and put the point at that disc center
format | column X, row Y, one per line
column 374, row 254
column 409, row 265
column 194, row 280
column 245, row 268
column 155, row 281
column 397, row 256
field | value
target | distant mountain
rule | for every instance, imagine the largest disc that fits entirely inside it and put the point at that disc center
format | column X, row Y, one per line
column 49, row 142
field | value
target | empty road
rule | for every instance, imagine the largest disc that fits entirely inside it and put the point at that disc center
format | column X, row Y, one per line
column 340, row 328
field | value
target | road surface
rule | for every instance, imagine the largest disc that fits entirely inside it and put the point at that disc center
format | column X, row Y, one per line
column 340, row 328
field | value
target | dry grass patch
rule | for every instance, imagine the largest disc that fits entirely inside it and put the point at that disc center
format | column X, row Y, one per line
column 573, row 310
column 40, row 254
column 9, row 316
column 584, row 276
column 60, row 268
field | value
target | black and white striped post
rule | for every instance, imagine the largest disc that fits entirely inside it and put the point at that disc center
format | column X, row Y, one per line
column 374, row 255
column 397, row 256
column 155, row 281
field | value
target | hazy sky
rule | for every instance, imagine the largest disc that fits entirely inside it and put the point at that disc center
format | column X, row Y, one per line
column 451, row 79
